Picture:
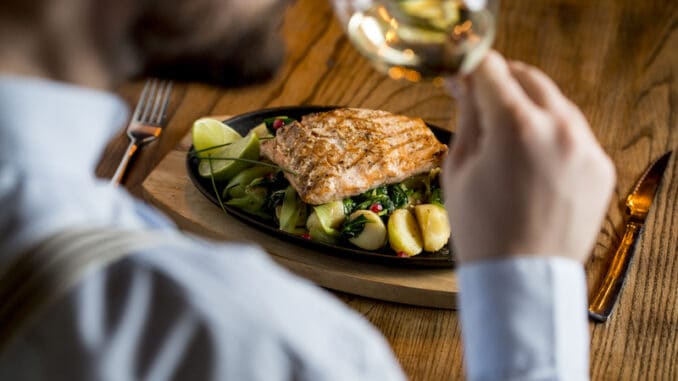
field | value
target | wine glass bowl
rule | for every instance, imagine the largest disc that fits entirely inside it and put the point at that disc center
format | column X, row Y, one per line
column 420, row 39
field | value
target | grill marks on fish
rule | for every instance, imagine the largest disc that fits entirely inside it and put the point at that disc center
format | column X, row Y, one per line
column 345, row 152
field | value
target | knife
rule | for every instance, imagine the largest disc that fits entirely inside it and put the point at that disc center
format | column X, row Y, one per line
column 638, row 205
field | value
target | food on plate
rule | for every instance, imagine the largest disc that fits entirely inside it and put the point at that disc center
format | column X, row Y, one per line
column 404, row 234
column 434, row 225
column 292, row 212
column 239, row 184
column 372, row 235
column 344, row 152
column 229, row 160
column 348, row 177
column 262, row 131
column 208, row 132
column 325, row 223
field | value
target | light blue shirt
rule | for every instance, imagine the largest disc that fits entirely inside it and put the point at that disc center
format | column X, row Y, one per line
column 219, row 311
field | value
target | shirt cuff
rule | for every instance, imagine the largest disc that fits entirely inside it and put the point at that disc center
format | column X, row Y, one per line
column 524, row 318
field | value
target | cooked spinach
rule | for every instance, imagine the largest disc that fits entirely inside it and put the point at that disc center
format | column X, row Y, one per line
column 354, row 227
column 399, row 195
column 274, row 199
column 376, row 196
column 349, row 206
column 436, row 196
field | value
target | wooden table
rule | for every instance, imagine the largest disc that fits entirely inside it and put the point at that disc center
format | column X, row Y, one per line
column 617, row 59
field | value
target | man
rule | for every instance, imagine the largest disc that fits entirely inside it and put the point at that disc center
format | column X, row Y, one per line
column 192, row 309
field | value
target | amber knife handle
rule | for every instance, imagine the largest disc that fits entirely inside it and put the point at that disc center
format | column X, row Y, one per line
column 606, row 297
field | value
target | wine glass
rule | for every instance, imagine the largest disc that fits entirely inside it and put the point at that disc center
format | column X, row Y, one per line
column 420, row 39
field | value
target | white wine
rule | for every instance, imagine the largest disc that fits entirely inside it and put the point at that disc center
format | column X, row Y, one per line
column 415, row 39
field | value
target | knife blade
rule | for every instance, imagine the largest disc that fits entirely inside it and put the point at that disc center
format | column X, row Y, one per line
column 638, row 204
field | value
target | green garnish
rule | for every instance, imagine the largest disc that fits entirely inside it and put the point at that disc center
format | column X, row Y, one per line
column 354, row 227
column 214, row 186
column 378, row 195
column 274, row 199
column 257, row 162
column 436, row 197
column 292, row 212
column 349, row 206
column 194, row 152
column 398, row 195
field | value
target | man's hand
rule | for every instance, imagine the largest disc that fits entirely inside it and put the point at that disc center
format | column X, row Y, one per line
column 525, row 175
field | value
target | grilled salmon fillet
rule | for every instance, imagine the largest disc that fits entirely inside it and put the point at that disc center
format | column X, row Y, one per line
column 345, row 152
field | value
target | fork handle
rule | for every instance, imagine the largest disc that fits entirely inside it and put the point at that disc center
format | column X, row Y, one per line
column 124, row 163
column 608, row 292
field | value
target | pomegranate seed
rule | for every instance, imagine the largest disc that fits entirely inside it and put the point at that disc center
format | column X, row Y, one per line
column 376, row 207
column 278, row 123
column 306, row 236
column 402, row 254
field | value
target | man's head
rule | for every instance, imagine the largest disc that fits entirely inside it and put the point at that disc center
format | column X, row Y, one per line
column 229, row 42
column 224, row 42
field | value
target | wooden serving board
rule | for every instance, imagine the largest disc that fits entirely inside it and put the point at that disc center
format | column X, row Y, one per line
column 169, row 189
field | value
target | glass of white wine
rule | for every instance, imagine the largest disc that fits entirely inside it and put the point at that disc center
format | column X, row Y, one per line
column 420, row 39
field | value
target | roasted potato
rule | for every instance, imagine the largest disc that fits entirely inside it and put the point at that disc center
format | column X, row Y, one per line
column 403, row 233
column 434, row 226
column 373, row 235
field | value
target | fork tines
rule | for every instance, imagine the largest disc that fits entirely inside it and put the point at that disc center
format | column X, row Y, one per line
column 153, row 102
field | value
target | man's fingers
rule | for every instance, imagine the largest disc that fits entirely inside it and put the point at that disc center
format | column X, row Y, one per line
column 467, row 133
column 539, row 87
column 500, row 99
column 546, row 94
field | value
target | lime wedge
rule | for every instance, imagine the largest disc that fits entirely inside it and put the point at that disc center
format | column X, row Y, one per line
column 209, row 132
column 223, row 169
column 262, row 131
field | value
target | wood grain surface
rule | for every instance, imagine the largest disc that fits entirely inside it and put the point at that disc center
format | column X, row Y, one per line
column 616, row 59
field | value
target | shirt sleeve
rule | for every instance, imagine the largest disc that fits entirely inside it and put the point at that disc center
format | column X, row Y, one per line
column 524, row 318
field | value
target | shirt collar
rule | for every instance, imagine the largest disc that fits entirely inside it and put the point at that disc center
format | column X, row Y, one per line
column 56, row 127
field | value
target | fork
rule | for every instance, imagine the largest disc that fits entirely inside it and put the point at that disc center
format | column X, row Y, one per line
column 147, row 121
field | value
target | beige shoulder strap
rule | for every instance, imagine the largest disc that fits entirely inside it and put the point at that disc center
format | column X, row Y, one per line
column 29, row 284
